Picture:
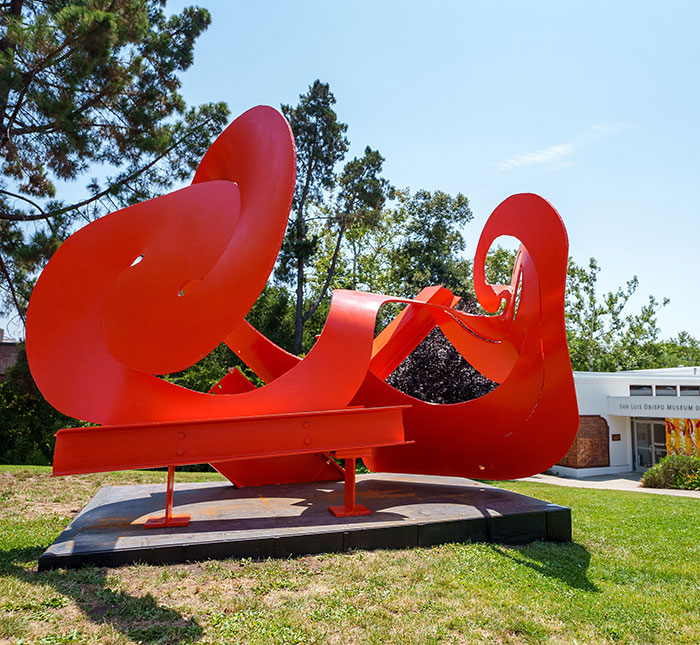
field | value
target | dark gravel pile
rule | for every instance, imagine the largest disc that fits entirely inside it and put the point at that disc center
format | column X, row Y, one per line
column 435, row 372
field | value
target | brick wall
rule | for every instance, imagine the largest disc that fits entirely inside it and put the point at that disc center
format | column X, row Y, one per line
column 8, row 357
column 590, row 448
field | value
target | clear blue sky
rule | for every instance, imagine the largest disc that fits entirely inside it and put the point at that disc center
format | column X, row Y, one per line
column 593, row 105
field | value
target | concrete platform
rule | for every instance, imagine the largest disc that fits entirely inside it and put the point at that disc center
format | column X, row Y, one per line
column 290, row 520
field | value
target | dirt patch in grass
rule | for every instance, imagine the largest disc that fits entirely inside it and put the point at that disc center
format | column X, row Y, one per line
column 35, row 493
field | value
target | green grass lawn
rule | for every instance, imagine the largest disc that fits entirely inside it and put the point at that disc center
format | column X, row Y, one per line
column 632, row 574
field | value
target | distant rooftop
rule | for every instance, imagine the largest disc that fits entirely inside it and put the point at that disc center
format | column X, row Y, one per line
column 5, row 339
column 667, row 371
column 660, row 373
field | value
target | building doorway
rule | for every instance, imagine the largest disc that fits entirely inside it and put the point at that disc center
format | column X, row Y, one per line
column 649, row 442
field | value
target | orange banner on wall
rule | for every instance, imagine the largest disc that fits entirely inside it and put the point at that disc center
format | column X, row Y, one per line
column 682, row 436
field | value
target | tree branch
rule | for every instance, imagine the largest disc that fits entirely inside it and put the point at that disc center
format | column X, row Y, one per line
column 15, row 112
column 23, row 198
column 6, row 46
column 106, row 191
column 46, row 128
column 323, row 217
column 4, row 270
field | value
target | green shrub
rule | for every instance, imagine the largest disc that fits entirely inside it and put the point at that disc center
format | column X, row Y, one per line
column 27, row 422
column 690, row 482
column 674, row 471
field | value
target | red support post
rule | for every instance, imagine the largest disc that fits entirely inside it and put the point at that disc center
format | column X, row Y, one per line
column 349, row 508
column 168, row 519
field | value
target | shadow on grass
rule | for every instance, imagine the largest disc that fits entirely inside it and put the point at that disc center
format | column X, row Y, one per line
column 139, row 618
column 567, row 562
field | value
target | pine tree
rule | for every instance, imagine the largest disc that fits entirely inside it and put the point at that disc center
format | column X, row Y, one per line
column 89, row 86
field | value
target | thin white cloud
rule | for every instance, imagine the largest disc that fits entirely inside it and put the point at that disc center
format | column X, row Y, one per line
column 555, row 156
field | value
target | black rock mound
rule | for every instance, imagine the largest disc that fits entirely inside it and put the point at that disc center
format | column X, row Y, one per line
column 435, row 372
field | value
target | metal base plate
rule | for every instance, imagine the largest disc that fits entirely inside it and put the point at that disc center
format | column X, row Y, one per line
column 173, row 520
column 289, row 520
column 344, row 511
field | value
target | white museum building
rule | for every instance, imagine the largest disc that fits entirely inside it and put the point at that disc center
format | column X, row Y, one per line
column 629, row 420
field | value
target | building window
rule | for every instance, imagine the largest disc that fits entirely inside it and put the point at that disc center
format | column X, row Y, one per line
column 640, row 390
column 690, row 390
column 666, row 390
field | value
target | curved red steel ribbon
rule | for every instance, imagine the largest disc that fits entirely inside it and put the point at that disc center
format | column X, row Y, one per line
column 153, row 288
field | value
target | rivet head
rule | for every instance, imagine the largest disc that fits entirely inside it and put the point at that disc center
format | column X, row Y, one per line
column 180, row 435
column 180, row 452
column 307, row 440
column 307, row 424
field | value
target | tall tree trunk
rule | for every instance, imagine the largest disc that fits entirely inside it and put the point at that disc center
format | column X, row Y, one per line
column 299, row 319
column 329, row 277
column 299, row 225
column 354, row 265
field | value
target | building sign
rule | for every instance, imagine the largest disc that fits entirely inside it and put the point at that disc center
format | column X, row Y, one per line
column 654, row 406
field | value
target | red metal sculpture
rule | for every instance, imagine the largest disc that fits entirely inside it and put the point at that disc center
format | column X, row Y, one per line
column 153, row 288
